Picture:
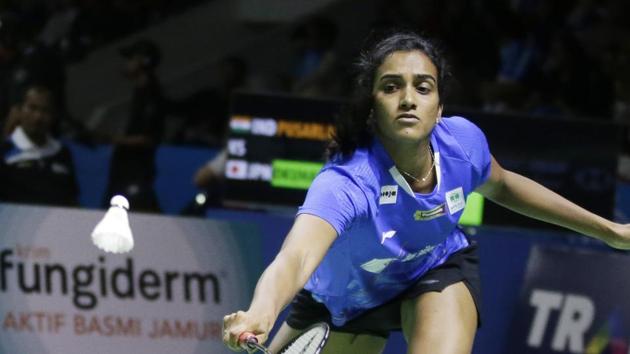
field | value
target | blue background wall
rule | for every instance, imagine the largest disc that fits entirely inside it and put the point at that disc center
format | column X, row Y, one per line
column 174, row 181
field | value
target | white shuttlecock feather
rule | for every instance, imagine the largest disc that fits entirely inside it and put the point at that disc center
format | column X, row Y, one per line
column 112, row 233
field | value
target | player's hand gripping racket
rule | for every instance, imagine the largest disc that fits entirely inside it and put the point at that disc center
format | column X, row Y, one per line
column 311, row 341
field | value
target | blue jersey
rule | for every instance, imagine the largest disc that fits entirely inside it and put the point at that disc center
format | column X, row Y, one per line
column 388, row 235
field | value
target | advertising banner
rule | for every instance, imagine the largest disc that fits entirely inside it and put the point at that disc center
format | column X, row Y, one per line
column 60, row 294
column 573, row 302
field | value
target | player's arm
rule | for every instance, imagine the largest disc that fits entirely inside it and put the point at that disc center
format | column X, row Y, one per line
column 529, row 198
column 302, row 251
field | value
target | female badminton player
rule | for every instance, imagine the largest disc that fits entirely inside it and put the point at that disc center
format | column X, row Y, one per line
column 375, row 247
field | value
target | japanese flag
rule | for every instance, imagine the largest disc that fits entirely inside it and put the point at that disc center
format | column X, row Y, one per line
column 236, row 169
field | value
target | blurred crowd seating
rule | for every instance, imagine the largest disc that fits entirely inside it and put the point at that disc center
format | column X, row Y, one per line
column 560, row 59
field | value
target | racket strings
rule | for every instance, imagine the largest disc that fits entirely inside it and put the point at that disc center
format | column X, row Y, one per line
column 308, row 343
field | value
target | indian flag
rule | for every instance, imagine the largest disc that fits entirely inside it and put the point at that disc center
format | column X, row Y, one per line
column 241, row 124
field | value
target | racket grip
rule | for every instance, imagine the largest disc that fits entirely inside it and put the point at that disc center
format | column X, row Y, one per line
column 246, row 338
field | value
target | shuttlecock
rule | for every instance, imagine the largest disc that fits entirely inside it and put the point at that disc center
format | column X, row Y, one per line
column 112, row 233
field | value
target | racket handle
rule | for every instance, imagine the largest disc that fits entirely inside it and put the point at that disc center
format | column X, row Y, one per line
column 246, row 338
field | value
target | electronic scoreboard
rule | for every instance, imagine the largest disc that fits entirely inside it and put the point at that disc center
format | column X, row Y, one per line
column 275, row 148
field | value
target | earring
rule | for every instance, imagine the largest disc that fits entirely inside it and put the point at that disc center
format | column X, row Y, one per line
column 371, row 117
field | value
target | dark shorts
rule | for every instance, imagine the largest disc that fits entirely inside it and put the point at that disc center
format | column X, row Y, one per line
column 380, row 321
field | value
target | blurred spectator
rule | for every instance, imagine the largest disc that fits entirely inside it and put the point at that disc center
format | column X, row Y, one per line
column 585, row 14
column 316, row 70
column 65, row 30
column 475, row 32
column 24, row 61
column 132, row 170
column 210, row 179
column 519, row 51
column 9, row 34
column 60, row 23
column 72, row 27
column 35, row 167
column 207, row 111
column 212, row 173
column 584, row 88
column 208, row 123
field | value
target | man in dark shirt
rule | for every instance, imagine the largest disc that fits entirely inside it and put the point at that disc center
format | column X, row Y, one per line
column 23, row 61
column 36, row 168
column 133, row 159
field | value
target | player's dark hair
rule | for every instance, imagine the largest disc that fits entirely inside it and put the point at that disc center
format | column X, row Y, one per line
column 351, row 127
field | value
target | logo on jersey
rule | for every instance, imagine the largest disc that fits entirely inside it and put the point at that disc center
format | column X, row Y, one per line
column 455, row 200
column 424, row 215
column 378, row 265
column 388, row 194
column 387, row 235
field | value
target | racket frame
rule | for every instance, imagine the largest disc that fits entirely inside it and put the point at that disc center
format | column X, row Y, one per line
column 250, row 342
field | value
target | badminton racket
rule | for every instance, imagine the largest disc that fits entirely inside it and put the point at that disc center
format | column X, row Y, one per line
column 311, row 341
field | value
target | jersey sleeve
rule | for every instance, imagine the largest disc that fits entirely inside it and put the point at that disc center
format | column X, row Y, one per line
column 336, row 198
column 475, row 145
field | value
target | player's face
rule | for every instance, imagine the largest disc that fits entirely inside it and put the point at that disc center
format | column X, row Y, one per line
column 36, row 115
column 406, row 98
